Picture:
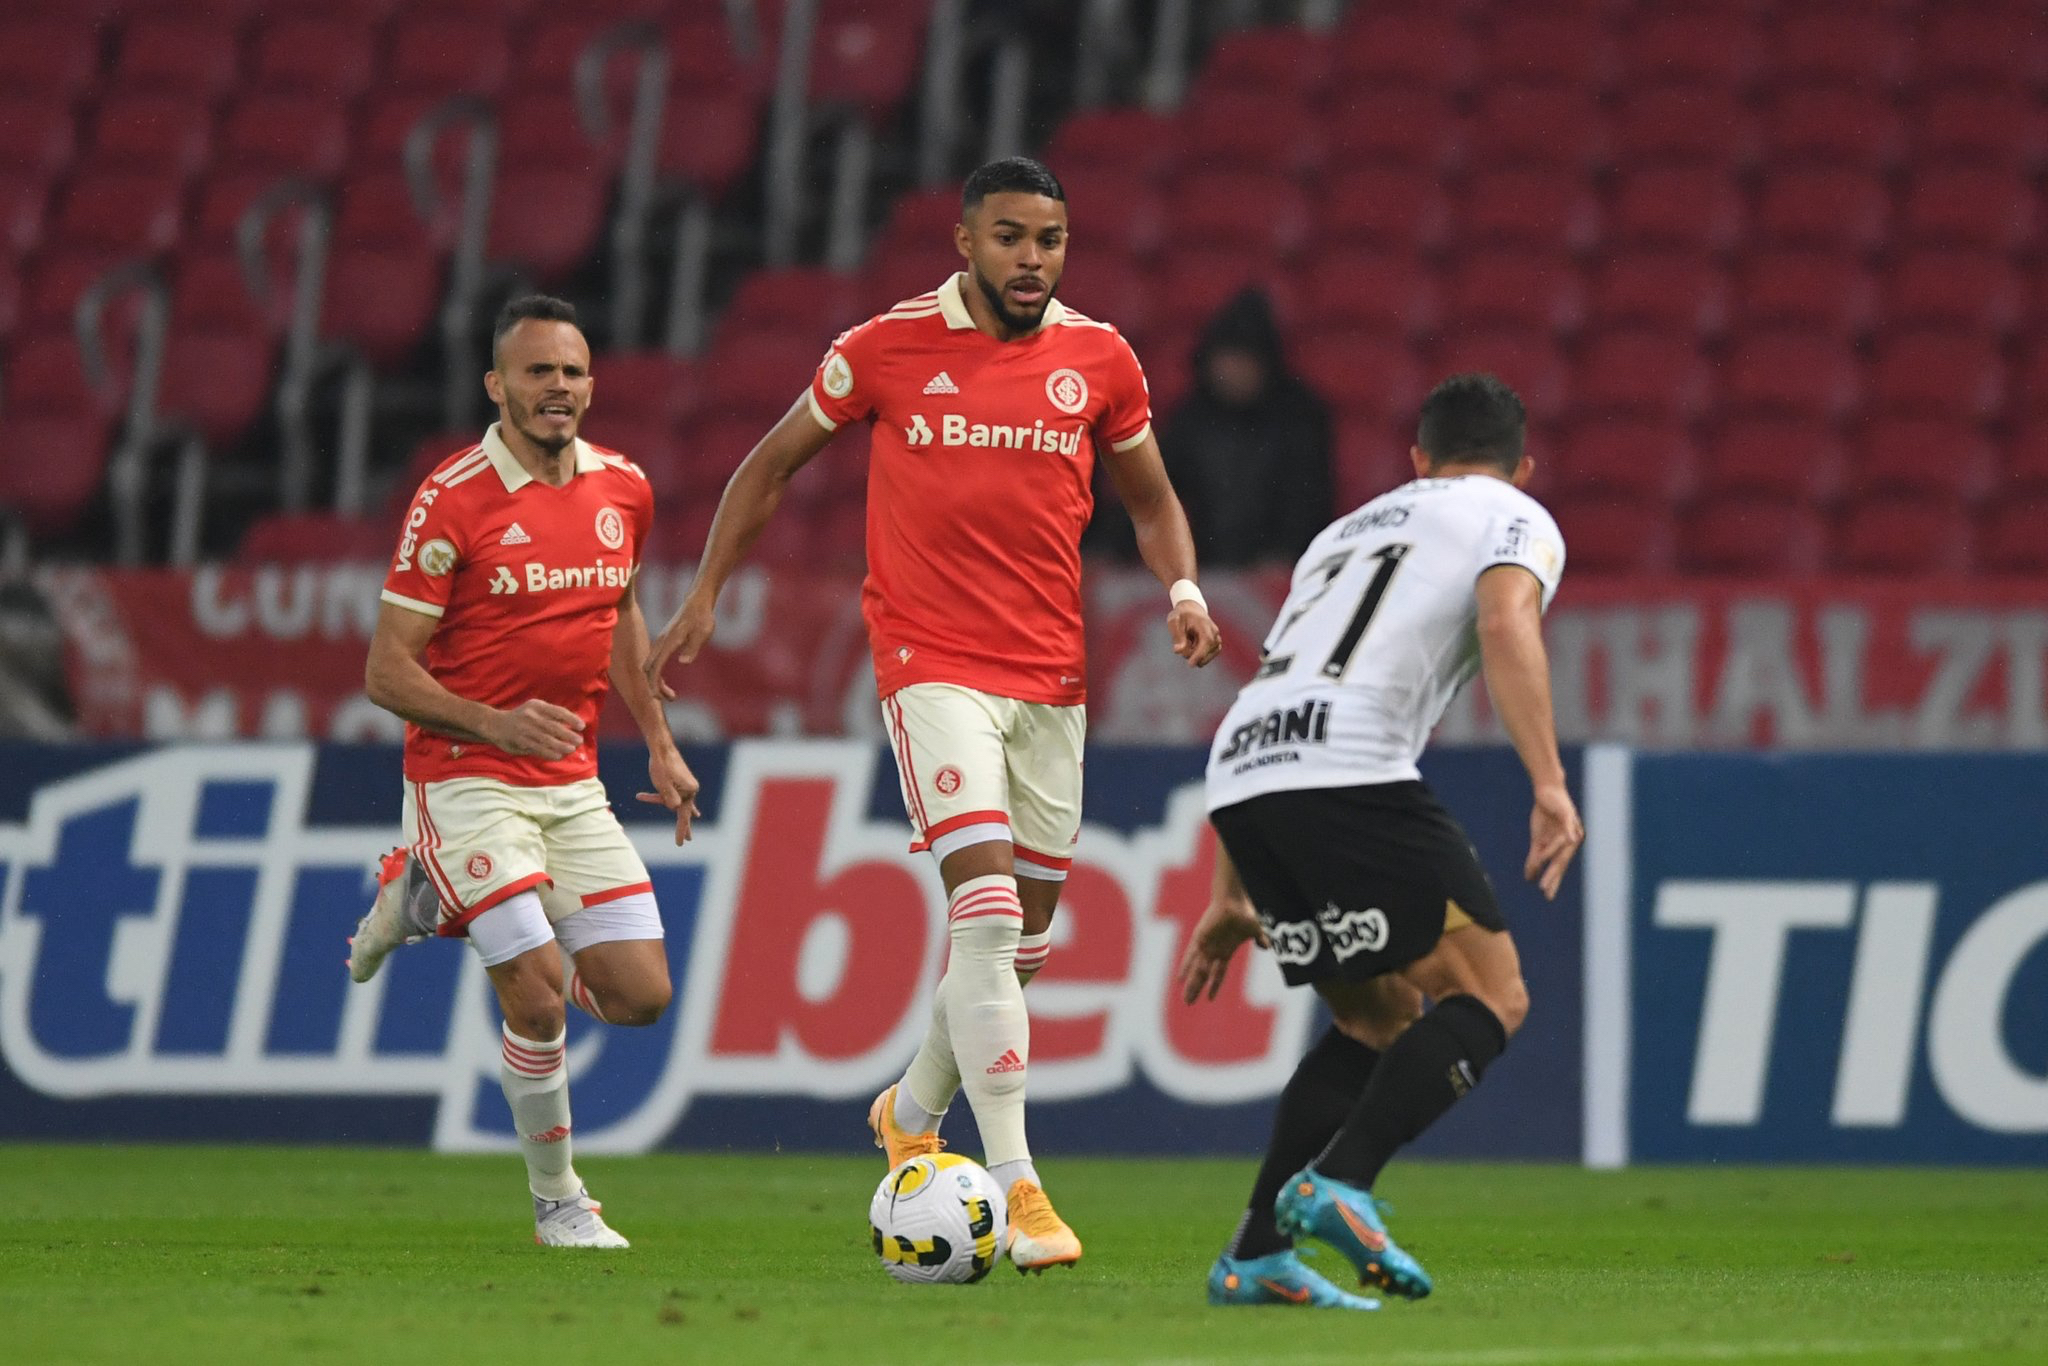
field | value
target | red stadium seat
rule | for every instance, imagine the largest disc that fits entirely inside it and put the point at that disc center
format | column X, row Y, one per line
column 1526, row 43
column 550, row 244
column 795, row 299
column 758, row 375
column 45, row 370
column 24, row 200
column 1132, row 142
column 1970, row 206
column 903, row 275
column 1286, row 59
column 60, row 276
column 48, row 58
column 2033, row 381
column 304, row 135
column 1639, row 458
column 1371, row 457
column 135, row 211
column 36, row 136
column 1358, row 375
column 1896, row 535
column 2009, row 539
column 1368, row 291
column 1982, row 45
column 215, row 381
column 1645, row 373
column 1117, row 215
column 1423, row 48
column 1675, row 291
column 1697, row 209
column 868, row 58
column 1530, row 362
column 1709, row 46
column 1545, row 125
column 1249, row 131
column 189, row 56
column 313, row 538
column 1704, row 124
column 701, row 51
column 447, row 56
column 381, row 297
column 1614, row 533
column 2024, row 468
column 1531, row 208
column 226, row 197
column 1400, row 125
column 2003, row 125
column 1941, row 458
column 209, row 291
column 160, row 133
column 1812, row 45
column 1749, row 537
column 1791, row 458
column 1396, row 209
column 387, row 121
column 1253, row 211
column 1940, row 373
column 644, row 385
column 377, row 207
column 311, row 54
column 10, row 298
column 1972, row 290
column 708, row 137
column 1793, row 374
column 1834, row 125
column 1831, row 208
column 1818, row 291
column 52, row 493
column 1519, row 289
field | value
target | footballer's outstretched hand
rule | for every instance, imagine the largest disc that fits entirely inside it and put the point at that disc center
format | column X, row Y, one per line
column 1218, row 935
column 1195, row 637
column 536, row 729
column 687, row 633
column 675, row 787
column 1555, row 834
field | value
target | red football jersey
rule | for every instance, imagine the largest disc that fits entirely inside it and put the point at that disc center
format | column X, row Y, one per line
column 526, row 579
column 979, row 487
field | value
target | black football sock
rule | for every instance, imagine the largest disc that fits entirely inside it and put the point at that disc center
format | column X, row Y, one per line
column 1436, row 1060
column 1321, row 1093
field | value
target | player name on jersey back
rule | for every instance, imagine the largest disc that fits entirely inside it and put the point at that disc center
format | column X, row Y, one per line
column 1378, row 633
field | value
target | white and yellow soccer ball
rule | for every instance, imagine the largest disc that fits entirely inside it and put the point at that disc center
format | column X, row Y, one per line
column 938, row 1220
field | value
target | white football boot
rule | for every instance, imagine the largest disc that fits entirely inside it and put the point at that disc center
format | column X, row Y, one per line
column 406, row 911
column 575, row 1222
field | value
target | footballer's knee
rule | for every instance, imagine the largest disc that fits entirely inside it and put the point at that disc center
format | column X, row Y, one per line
column 532, row 1006
column 1509, row 1002
column 639, row 1004
column 1373, row 1013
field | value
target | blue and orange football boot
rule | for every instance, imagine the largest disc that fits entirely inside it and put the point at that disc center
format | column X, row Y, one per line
column 1312, row 1205
column 1278, row 1278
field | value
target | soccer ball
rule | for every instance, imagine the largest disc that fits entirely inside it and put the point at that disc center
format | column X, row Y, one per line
column 938, row 1219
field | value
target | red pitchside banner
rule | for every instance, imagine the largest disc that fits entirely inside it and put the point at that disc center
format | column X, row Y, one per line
column 277, row 652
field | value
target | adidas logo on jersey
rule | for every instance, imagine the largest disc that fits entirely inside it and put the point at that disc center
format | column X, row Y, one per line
column 942, row 383
column 1009, row 1062
column 515, row 535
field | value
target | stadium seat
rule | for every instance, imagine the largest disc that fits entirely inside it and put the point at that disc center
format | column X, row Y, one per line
column 1803, row 460
column 135, row 211
column 867, row 57
column 46, row 57
column 52, row 492
column 1705, row 125
column 10, row 298
column 1399, row 125
column 60, row 275
column 1371, row 457
column 1818, row 291
column 644, row 386
column 215, row 380
column 208, row 290
column 1358, row 375
column 794, row 299
column 2009, row 539
column 1530, row 362
column 1969, row 206
column 1367, row 291
column 314, row 54
column 708, row 137
column 1613, row 533
column 1198, row 285
column 1673, row 291
column 304, row 135
column 24, row 200
column 1249, row 132
column 553, row 244
column 904, row 274
column 2032, row 396
column 1834, row 125
column 1261, row 212
column 1977, row 291
column 650, row 442
column 1518, row 289
column 313, row 538
column 712, row 448
column 1981, row 45
column 187, row 56
column 36, row 136
column 1897, row 535
column 1283, row 59
column 161, row 133
column 1940, row 458
column 44, row 370
column 1694, row 208
column 1747, row 537
column 1133, row 142
column 1396, row 209
column 1648, row 459
column 701, row 50
column 2023, row 468
column 1539, row 125
column 1643, row 372
column 378, row 207
column 1118, row 216
column 1791, row 373
column 1851, row 47
column 446, row 55
column 1110, row 292
column 1533, row 208
column 1710, row 45
column 1940, row 373
column 1423, row 48
column 226, row 196
column 381, row 297
column 1831, row 208
column 1526, row 43
column 757, row 375
column 2000, row 125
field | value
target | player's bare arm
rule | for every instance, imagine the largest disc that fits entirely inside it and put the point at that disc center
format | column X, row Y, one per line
column 397, row 681
column 750, row 499
column 1229, row 922
column 668, row 774
column 1165, row 542
column 1518, row 681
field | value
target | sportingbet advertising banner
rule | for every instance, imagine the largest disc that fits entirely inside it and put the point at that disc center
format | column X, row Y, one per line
column 172, row 926
column 1820, row 959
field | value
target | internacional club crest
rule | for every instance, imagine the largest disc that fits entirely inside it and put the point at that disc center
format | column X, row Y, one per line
column 1067, row 390
column 611, row 528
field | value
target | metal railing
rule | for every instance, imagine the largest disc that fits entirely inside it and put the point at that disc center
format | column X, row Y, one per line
column 302, row 349
column 466, row 264
column 128, row 470
column 638, row 174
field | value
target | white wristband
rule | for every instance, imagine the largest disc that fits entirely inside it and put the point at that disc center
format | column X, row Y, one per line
column 1184, row 590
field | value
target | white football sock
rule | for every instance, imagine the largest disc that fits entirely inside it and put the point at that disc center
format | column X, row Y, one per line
column 536, row 1083
column 985, row 1019
column 579, row 995
column 932, row 1080
column 1007, row 1174
column 1032, row 951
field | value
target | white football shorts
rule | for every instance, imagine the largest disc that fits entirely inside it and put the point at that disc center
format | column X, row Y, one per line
column 977, row 767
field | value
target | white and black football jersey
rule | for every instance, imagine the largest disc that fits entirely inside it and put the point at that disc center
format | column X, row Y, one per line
column 1378, row 633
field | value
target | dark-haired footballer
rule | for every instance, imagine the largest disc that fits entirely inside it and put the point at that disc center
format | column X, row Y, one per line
column 990, row 401
column 1338, row 858
column 509, row 605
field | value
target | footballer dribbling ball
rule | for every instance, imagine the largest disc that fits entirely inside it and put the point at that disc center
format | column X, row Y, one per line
column 938, row 1220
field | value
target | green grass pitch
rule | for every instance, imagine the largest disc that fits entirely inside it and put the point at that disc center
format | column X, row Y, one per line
column 213, row 1255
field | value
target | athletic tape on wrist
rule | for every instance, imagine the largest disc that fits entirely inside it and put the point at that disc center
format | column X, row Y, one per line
column 1184, row 590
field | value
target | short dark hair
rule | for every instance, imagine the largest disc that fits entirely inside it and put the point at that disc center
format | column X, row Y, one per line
column 1010, row 175
column 529, row 307
column 1472, row 417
